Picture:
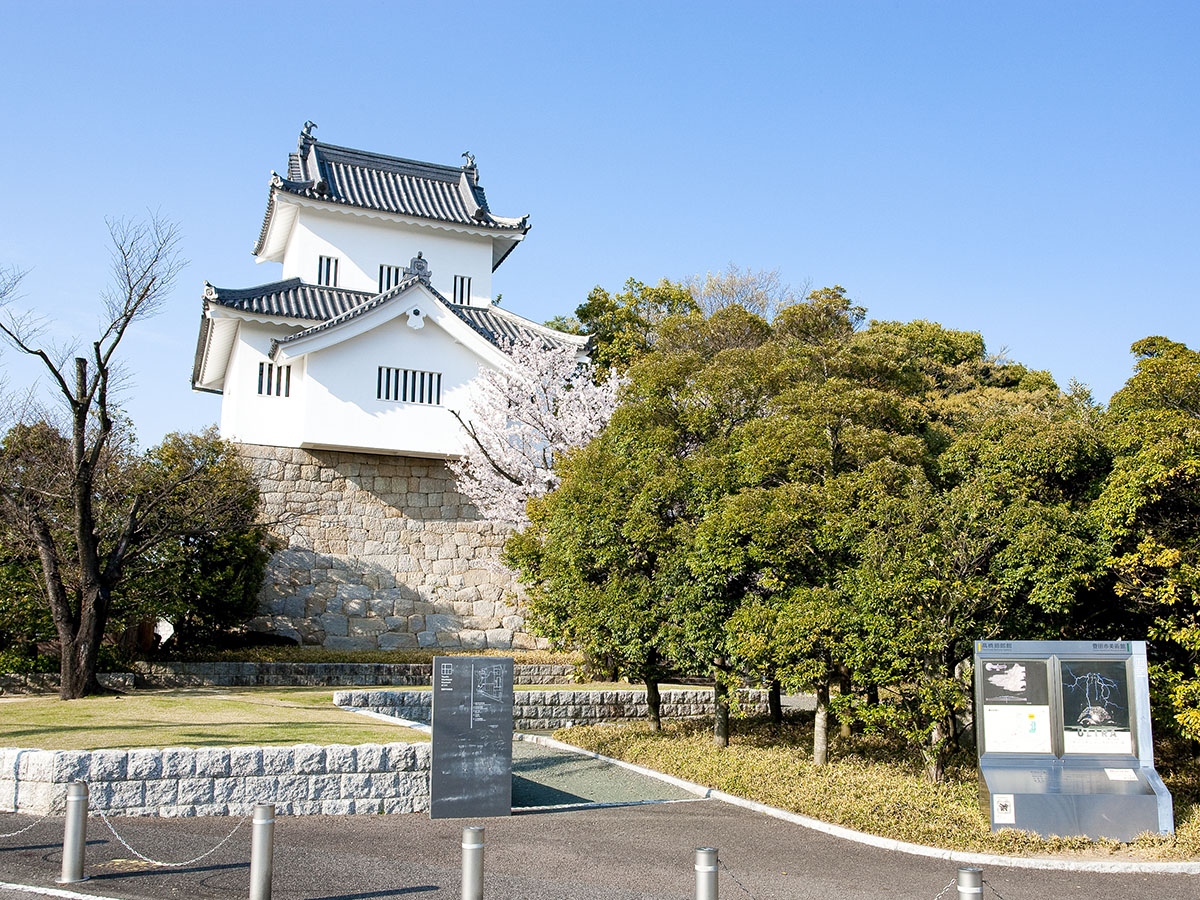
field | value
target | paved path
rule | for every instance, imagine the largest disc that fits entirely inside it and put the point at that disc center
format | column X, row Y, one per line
column 642, row 852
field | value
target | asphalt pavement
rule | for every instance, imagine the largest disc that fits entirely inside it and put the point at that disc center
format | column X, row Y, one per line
column 556, row 848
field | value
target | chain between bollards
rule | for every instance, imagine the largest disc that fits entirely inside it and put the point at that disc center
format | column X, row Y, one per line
column 970, row 883
column 262, row 851
column 706, row 873
column 74, row 833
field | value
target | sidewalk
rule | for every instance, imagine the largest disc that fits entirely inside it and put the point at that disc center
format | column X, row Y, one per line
column 642, row 852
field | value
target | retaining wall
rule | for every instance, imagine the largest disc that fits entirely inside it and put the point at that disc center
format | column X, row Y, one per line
column 46, row 683
column 214, row 781
column 381, row 553
column 184, row 674
column 548, row 710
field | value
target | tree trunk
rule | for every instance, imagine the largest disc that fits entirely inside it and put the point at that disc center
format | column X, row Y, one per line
column 821, row 726
column 845, row 685
column 654, row 703
column 775, row 702
column 934, row 753
column 721, row 709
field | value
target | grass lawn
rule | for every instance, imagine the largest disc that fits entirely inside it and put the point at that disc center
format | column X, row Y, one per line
column 870, row 784
column 196, row 717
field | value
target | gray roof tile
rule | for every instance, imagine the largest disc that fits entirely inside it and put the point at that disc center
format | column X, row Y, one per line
column 388, row 184
column 331, row 306
column 291, row 299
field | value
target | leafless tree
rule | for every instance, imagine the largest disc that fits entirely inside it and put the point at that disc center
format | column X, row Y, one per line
column 763, row 292
column 70, row 486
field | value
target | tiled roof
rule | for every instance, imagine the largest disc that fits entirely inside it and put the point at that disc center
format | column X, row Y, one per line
column 291, row 299
column 390, row 184
column 500, row 327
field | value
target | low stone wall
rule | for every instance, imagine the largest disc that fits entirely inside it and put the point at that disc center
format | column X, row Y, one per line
column 45, row 683
column 185, row 674
column 548, row 710
column 214, row 781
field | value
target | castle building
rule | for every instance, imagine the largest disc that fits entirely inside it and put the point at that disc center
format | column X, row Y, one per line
column 337, row 383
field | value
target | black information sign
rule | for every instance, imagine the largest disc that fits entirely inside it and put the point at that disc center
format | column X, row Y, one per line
column 1095, row 697
column 472, row 737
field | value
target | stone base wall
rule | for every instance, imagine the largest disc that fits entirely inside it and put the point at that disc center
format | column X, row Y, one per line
column 548, row 710
column 380, row 553
column 218, row 781
column 185, row 674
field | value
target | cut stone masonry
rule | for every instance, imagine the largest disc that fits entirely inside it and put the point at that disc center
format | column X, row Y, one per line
column 381, row 553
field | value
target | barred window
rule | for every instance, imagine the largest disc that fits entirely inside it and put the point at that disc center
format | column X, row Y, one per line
column 409, row 386
column 327, row 270
column 462, row 289
column 274, row 381
column 389, row 277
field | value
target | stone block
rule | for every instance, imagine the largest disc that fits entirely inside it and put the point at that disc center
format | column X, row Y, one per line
column 292, row 788
column 229, row 791
column 366, row 626
column 160, row 792
column 195, row 790
column 277, row 760
column 70, row 765
column 325, row 787
column 397, row 641
column 371, row 758
column 337, row 807
column 260, row 788
column 340, row 758
column 471, row 639
column 244, row 761
column 35, row 765
column 212, row 762
column 119, row 796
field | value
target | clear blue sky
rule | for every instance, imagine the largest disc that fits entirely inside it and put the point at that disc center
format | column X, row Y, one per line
column 1026, row 170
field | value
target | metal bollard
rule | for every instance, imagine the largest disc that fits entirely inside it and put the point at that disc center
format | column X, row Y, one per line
column 472, row 869
column 970, row 883
column 706, row 873
column 74, row 833
column 262, row 851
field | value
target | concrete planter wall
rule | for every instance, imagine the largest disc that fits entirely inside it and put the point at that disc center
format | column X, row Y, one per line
column 279, row 674
column 548, row 710
column 213, row 781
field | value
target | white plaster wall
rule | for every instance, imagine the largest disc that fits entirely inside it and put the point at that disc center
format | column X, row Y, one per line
column 363, row 243
column 341, row 407
column 247, row 416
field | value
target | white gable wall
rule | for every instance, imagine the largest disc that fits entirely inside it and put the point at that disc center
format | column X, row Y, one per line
column 363, row 243
column 342, row 406
column 247, row 416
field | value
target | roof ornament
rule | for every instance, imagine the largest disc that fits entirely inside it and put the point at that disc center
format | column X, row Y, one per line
column 470, row 158
column 210, row 292
column 419, row 268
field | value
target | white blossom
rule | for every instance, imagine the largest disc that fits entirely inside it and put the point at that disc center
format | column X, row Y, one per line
column 521, row 417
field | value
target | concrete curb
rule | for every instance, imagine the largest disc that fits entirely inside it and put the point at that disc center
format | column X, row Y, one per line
column 849, row 834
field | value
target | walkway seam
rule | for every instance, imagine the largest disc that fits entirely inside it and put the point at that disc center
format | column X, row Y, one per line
column 871, row 840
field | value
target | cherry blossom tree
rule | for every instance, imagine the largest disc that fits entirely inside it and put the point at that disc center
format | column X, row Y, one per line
column 521, row 418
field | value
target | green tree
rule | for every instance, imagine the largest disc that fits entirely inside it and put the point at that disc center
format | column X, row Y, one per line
column 1150, row 510
column 623, row 325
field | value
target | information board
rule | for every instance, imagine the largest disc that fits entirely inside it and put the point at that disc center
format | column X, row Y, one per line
column 1016, row 706
column 1095, row 696
column 1064, row 737
column 471, row 773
